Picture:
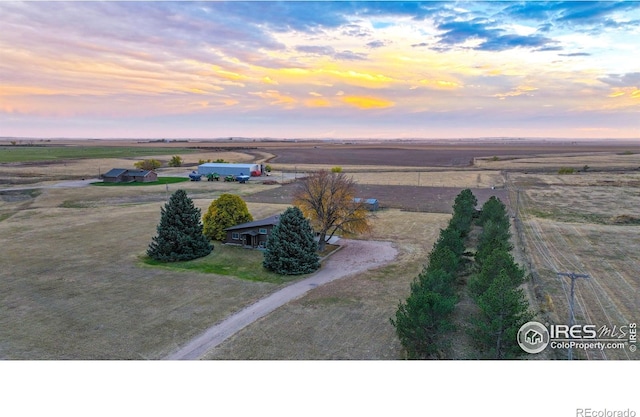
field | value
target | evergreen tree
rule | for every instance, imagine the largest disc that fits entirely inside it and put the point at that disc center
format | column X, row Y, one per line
column 493, row 210
column 464, row 209
column 226, row 211
column 179, row 235
column 504, row 309
column 423, row 318
column 291, row 248
column 499, row 261
column 494, row 236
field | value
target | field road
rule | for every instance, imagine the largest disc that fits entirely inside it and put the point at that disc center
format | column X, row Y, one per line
column 64, row 184
column 355, row 256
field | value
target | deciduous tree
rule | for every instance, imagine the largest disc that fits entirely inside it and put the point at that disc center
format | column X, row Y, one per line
column 176, row 161
column 225, row 211
column 148, row 164
column 179, row 235
column 327, row 199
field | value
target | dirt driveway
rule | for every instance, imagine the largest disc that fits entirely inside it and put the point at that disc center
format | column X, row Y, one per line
column 354, row 256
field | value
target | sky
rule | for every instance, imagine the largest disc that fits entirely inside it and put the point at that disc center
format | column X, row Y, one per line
column 329, row 69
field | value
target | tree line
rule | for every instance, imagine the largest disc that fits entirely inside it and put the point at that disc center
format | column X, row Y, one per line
column 424, row 320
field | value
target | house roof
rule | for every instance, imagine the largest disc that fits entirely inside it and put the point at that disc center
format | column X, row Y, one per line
column 226, row 165
column 115, row 172
column 269, row 221
column 137, row 172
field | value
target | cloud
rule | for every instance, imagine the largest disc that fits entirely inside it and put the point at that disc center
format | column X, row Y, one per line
column 376, row 44
column 490, row 36
column 598, row 13
column 576, row 54
column 366, row 103
column 622, row 80
column 332, row 53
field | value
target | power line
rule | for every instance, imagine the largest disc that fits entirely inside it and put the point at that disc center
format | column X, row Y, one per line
column 572, row 317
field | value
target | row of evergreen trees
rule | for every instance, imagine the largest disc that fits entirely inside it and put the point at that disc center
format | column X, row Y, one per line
column 495, row 286
column 423, row 319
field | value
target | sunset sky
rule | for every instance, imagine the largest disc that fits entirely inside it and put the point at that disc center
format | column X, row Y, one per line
column 320, row 69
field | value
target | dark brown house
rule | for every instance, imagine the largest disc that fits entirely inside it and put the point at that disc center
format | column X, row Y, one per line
column 129, row 175
column 253, row 234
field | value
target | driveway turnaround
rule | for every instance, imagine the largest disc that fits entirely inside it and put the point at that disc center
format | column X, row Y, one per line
column 354, row 256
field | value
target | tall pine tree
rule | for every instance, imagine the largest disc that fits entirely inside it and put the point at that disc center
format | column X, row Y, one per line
column 291, row 248
column 179, row 235
column 504, row 308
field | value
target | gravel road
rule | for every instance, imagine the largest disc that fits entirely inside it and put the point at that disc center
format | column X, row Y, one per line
column 354, row 256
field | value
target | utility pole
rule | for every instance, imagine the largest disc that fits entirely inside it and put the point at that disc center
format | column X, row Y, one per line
column 572, row 317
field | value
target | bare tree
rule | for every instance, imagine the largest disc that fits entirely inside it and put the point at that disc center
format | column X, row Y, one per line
column 327, row 199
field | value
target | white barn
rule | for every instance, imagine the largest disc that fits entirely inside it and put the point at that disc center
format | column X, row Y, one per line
column 230, row 169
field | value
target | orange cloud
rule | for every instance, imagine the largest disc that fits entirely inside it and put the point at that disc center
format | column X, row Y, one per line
column 317, row 102
column 276, row 98
column 367, row 102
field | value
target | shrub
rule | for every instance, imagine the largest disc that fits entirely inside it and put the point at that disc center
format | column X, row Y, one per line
column 566, row 170
column 226, row 211
column 336, row 169
column 176, row 161
column 148, row 164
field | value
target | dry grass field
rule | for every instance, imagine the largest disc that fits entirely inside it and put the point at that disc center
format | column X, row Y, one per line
column 48, row 172
column 587, row 224
column 348, row 318
column 72, row 285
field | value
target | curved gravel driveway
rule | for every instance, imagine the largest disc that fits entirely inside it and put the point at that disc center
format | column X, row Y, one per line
column 354, row 256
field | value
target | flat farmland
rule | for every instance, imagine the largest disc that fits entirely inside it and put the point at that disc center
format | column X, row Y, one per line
column 432, row 154
column 587, row 224
column 38, row 171
column 72, row 285
column 406, row 197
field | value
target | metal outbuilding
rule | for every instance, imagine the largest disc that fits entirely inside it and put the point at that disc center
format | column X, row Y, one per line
column 229, row 169
column 371, row 204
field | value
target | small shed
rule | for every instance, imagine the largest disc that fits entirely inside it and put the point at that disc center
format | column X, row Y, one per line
column 371, row 204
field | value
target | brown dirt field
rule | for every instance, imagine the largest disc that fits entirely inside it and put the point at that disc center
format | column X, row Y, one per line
column 428, row 154
column 412, row 198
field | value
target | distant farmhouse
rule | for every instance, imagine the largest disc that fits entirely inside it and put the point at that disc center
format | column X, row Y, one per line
column 129, row 175
column 253, row 234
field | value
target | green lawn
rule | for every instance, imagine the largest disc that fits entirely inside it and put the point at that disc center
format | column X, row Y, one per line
column 228, row 260
column 160, row 181
column 57, row 152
